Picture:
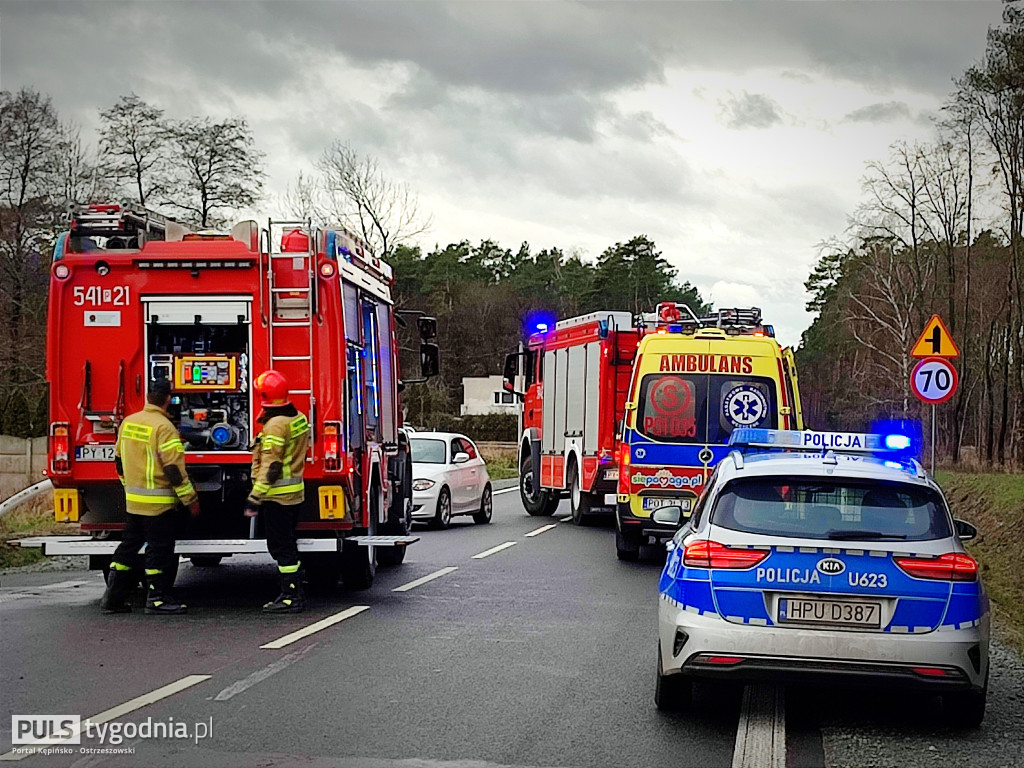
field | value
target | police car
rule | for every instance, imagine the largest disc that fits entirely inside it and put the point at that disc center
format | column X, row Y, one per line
column 823, row 556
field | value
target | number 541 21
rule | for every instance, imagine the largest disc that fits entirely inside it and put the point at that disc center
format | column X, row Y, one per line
column 94, row 296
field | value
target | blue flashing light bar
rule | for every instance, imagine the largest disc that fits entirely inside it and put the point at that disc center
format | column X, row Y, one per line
column 841, row 442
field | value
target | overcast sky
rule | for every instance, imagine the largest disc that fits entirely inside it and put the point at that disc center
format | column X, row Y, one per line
column 733, row 134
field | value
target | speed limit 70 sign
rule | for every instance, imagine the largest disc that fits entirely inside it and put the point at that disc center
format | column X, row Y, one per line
column 934, row 380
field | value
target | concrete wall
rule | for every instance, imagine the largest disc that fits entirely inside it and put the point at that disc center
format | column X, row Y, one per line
column 478, row 396
column 22, row 462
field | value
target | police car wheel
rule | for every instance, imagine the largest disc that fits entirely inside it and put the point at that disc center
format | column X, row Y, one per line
column 965, row 709
column 627, row 546
column 672, row 693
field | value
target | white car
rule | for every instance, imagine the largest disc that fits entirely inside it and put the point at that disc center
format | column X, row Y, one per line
column 448, row 478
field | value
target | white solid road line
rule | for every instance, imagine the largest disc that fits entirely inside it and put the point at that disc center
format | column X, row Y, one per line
column 313, row 628
column 540, row 530
column 492, row 550
column 262, row 674
column 425, row 579
column 116, row 712
column 761, row 732
column 505, row 490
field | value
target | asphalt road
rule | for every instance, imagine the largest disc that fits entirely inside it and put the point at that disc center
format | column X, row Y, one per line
column 540, row 654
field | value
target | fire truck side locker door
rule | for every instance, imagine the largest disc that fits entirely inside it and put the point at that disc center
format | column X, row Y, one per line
column 548, row 406
column 592, row 418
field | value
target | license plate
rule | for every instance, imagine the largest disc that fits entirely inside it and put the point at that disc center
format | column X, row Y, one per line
column 611, row 474
column 94, row 453
column 658, row 503
column 834, row 613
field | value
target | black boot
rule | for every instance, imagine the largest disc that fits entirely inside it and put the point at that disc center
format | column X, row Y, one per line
column 119, row 586
column 291, row 599
column 158, row 596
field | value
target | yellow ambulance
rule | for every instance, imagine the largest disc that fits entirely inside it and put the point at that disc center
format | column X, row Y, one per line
column 695, row 380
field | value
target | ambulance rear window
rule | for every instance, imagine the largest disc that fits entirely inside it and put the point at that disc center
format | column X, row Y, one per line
column 703, row 408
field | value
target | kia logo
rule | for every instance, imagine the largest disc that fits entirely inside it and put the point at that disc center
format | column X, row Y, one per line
column 831, row 566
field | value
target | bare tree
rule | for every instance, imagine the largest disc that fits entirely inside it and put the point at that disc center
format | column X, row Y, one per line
column 221, row 168
column 355, row 191
column 30, row 141
column 133, row 144
column 80, row 174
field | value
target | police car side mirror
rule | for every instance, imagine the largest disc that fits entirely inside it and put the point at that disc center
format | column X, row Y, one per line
column 965, row 530
column 668, row 515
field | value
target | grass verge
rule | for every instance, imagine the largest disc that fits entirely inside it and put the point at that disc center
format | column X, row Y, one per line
column 995, row 504
column 33, row 518
column 501, row 462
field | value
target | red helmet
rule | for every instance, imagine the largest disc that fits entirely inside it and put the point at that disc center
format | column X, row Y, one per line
column 272, row 387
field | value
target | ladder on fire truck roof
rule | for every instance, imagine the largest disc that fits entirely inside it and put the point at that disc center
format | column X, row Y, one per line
column 123, row 226
column 290, row 305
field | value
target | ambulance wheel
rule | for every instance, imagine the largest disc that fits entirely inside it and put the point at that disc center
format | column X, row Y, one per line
column 672, row 693
column 323, row 569
column 536, row 502
column 627, row 546
column 358, row 565
column 580, row 501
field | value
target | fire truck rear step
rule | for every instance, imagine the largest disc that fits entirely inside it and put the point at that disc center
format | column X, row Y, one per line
column 85, row 545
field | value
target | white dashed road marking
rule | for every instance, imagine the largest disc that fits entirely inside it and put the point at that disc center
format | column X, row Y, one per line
column 505, row 490
column 425, row 579
column 540, row 530
column 119, row 711
column 314, row 628
column 565, row 519
column 262, row 674
column 492, row 550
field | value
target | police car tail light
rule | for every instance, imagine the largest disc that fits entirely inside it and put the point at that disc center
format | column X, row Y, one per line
column 953, row 566
column 711, row 554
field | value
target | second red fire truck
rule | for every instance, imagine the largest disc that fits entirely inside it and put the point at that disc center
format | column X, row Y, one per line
column 134, row 297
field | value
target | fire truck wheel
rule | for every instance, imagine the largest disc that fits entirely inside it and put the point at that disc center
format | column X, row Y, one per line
column 579, row 500
column 206, row 561
column 536, row 502
column 358, row 565
column 443, row 516
column 627, row 546
column 486, row 503
column 323, row 569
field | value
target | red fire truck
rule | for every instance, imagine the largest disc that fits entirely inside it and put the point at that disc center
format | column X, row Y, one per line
column 574, row 379
column 135, row 296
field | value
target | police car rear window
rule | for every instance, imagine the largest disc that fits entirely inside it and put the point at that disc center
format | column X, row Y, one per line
column 834, row 510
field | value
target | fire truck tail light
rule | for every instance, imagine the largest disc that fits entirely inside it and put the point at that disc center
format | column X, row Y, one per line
column 62, row 271
column 327, row 269
column 332, row 446
column 60, row 444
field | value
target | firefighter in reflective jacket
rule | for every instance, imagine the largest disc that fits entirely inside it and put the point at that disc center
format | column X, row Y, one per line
column 278, row 459
column 150, row 461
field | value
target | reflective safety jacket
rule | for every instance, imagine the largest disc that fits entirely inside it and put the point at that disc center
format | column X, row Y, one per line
column 278, row 459
column 150, row 460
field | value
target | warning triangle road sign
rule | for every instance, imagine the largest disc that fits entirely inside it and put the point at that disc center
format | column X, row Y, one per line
column 935, row 341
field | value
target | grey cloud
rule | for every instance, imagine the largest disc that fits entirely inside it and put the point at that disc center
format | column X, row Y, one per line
column 751, row 110
column 883, row 112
